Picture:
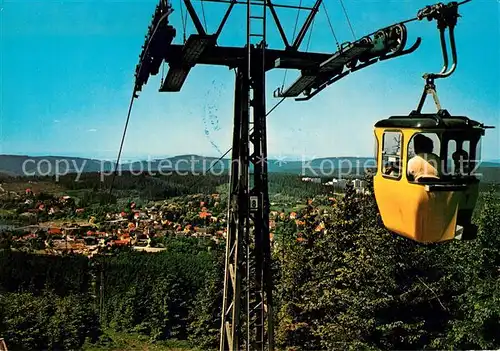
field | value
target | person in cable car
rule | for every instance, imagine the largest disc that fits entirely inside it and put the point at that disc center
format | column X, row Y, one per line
column 392, row 169
column 460, row 159
column 425, row 164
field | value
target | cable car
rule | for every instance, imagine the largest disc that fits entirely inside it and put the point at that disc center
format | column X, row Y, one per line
column 425, row 185
column 431, row 205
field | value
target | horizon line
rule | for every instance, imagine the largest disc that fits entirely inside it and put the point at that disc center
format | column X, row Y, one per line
column 133, row 159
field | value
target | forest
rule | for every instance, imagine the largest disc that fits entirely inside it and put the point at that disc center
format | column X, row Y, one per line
column 351, row 286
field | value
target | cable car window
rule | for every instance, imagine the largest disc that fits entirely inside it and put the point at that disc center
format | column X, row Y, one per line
column 461, row 159
column 376, row 154
column 450, row 166
column 391, row 154
column 423, row 159
column 476, row 160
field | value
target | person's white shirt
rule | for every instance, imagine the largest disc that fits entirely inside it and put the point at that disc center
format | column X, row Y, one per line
column 424, row 165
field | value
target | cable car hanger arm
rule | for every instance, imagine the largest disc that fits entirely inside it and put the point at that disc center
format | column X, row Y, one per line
column 446, row 17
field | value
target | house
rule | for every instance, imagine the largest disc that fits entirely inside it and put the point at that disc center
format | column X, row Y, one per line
column 312, row 180
column 359, row 185
column 320, row 227
column 298, row 222
column 54, row 210
column 337, row 183
column 205, row 214
column 293, row 215
column 201, row 230
column 125, row 242
column 54, row 231
column 300, row 238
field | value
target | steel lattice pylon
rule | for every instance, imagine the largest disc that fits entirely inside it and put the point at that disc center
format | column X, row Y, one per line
column 247, row 283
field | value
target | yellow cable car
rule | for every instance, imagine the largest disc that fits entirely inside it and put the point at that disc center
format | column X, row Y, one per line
column 425, row 185
column 434, row 204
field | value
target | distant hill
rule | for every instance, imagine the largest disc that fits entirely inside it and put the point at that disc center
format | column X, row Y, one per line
column 48, row 165
column 12, row 165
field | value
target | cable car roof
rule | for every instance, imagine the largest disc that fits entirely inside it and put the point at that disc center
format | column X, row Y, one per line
column 430, row 121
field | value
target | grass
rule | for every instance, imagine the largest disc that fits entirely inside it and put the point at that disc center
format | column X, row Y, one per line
column 37, row 187
column 116, row 341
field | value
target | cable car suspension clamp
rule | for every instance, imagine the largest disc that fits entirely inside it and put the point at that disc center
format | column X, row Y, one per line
column 429, row 89
column 446, row 17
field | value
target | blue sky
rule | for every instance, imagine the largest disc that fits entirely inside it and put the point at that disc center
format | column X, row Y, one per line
column 67, row 73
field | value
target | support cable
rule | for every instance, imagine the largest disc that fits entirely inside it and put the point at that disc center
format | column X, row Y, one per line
column 162, row 72
column 310, row 34
column 347, row 18
column 228, row 151
column 134, row 95
column 185, row 26
column 204, row 18
column 296, row 22
column 122, row 142
column 293, row 39
column 184, row 21
column 331, row 26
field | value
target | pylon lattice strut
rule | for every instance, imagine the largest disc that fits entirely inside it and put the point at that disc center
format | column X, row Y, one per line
column 247, row 278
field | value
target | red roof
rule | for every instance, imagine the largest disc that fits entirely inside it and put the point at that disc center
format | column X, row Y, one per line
column 54, row 231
